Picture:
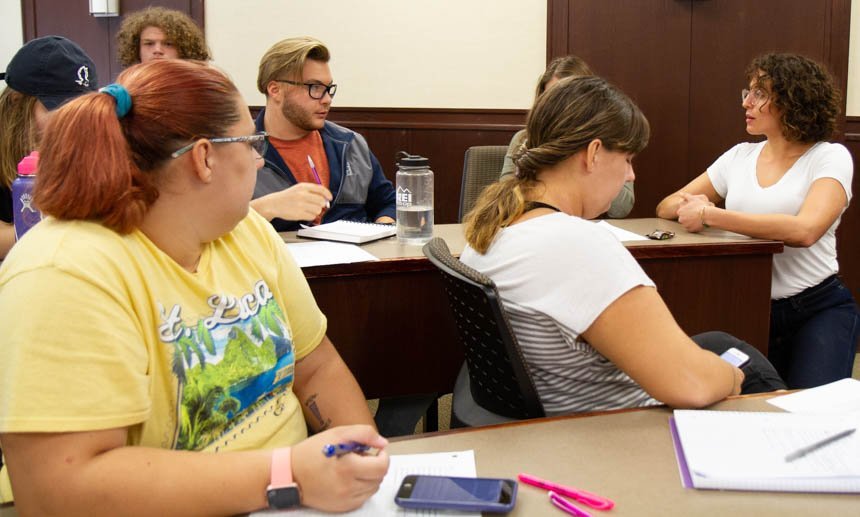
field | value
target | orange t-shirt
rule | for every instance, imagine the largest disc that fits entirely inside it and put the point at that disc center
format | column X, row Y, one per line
column 295, row 154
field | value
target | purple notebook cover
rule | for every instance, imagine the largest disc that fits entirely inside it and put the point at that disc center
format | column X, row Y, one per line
column 683, row 469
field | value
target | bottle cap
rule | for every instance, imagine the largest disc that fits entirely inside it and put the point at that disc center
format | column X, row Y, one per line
column 411, row 160
column 27, row 166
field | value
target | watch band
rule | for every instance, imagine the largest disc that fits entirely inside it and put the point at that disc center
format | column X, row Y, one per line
column 282, row 467
column 282, row 491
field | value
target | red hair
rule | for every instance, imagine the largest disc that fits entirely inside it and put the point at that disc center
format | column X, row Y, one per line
column 96, row 166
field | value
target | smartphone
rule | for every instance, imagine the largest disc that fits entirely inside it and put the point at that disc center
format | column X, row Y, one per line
column 457, row 493
column 735, row 357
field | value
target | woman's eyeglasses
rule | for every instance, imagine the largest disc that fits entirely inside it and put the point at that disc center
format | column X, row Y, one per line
column 758, row 95
column 257, row 141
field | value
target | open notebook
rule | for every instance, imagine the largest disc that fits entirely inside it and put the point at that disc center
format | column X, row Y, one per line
column 348, row 231
column 748, row 451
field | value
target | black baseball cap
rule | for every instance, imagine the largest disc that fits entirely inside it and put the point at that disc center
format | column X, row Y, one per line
column 53, row 69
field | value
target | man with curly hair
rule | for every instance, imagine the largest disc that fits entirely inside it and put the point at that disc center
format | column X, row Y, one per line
column 159, row 33
column 793, row 187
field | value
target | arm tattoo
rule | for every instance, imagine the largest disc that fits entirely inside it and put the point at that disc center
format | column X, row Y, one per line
column 311, row 403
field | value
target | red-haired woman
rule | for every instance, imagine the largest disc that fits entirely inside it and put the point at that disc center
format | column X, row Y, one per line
column 793, row 187
column 161, row 351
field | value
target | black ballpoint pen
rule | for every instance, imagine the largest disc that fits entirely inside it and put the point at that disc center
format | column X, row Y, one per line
column 803, row 451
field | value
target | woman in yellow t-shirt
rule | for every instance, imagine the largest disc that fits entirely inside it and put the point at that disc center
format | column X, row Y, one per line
column 161, row 351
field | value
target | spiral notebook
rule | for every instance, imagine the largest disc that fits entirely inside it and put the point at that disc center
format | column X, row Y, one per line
column 348, row 231
column 749, row 451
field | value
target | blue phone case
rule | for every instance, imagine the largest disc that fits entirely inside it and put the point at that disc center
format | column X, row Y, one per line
column 457, row 493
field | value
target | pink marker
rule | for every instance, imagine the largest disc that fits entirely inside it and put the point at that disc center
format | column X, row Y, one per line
column 587, row 498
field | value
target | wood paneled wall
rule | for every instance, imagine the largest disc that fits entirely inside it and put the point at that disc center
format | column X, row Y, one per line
column 440, row 135
column 95, row 35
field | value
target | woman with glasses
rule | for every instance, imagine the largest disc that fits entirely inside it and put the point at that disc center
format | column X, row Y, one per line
column 594, row 331
column 161, row 351
column 793, row 186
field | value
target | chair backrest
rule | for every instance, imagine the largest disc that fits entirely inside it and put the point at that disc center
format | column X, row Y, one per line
column 499, row 379
column 482, row 165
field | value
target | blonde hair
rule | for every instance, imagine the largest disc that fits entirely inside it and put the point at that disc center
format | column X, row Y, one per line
column 286, row 59
column 18, row 132
column 563, row 121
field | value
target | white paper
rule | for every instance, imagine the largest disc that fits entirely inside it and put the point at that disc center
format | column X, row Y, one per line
column 837, row 398
column 621, row 234
column 321, row 253
column 460, row 463
column 747, row 451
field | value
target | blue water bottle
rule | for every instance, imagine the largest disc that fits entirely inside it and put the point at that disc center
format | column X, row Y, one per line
column 24, row 213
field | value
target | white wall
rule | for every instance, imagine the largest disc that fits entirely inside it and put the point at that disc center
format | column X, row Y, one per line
column 395, row 53
column 398, row 53
column 853, row 94
column 11, row 32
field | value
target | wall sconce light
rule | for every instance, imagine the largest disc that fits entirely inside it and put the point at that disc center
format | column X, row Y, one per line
column 102, row 8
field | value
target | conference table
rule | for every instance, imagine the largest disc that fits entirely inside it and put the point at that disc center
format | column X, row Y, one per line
column 624, row 455
column 390, row 319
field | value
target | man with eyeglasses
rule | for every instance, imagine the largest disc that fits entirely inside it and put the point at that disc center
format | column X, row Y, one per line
column 315, row 170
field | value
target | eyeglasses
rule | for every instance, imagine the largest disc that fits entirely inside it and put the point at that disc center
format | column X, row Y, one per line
column 315, row 90
column 758, row 95
column 257, row 141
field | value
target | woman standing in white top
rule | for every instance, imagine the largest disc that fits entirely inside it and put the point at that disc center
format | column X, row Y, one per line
column 594, row 331
column 794, row 187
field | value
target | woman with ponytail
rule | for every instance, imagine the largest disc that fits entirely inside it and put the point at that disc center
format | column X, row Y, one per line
column 594, row 331
column 161, row 351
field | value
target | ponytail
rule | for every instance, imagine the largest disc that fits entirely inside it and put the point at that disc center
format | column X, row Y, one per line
column 102, row 153
column 103, row 183
column 499, row 205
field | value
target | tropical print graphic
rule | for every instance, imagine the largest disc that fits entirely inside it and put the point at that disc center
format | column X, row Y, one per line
column 226, row 364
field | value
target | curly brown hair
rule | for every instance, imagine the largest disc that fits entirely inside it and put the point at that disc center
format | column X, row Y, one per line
column 177, row 26
column 802, row 91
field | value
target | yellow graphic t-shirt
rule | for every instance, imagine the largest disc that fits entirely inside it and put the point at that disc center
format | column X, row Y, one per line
column 102, row 330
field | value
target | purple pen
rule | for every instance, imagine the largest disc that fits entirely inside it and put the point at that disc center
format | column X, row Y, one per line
column 339, row 449
column 566, row 505
column 316, row 176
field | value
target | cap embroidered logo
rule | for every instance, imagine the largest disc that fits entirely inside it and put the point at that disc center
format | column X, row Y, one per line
column 83, row 76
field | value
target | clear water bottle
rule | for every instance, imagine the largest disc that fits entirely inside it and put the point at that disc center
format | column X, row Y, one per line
column 24, row 214
column 414, row 199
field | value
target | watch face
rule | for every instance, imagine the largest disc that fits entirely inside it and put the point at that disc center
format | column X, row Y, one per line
column 284, row 497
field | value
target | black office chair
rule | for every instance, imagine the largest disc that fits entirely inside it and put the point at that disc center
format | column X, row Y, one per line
column 482, row 165
column 494, row 385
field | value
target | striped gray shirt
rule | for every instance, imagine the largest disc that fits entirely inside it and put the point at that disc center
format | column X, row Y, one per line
column 556, row 274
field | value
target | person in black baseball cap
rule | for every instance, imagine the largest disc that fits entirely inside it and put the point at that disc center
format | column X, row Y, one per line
column 42, row 75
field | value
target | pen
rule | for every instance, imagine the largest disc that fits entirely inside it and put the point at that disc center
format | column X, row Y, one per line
column 316, row 176
column 339, row 449
column 593, row 500
column 566, row 506
column 803, row 451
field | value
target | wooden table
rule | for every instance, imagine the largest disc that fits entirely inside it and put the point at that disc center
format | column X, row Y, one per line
column 625, row 455
column 391, row 322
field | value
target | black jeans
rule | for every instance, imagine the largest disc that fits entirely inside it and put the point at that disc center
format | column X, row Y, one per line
column 760, row 375
column 813, row 334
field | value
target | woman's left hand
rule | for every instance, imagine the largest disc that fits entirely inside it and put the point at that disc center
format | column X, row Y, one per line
column 690, row 211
